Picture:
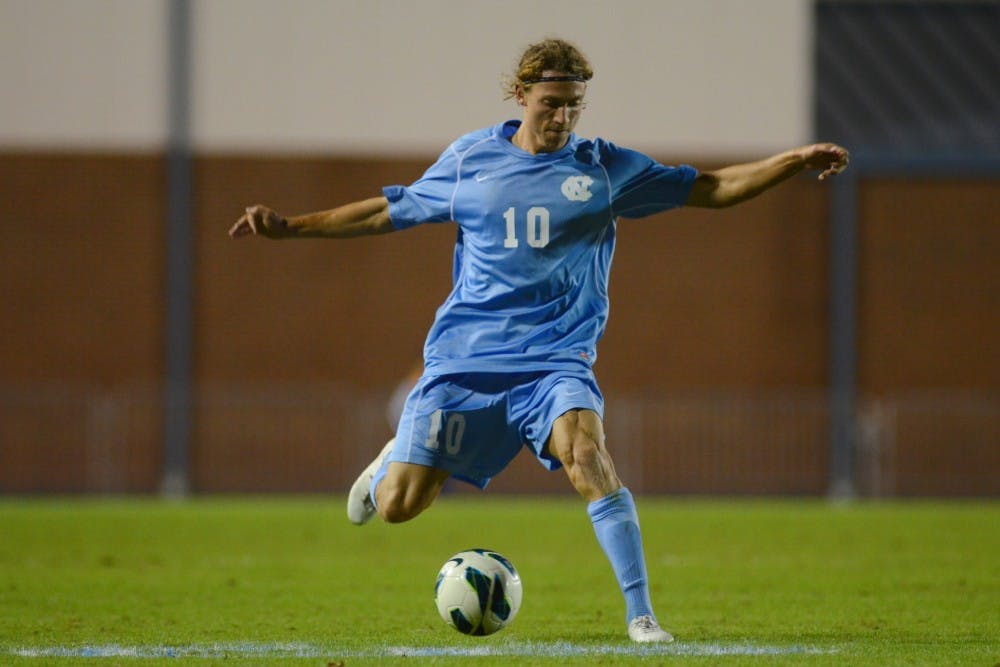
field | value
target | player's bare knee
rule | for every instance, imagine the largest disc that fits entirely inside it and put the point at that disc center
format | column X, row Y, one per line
column 593, row 471
column 580, row 462
column 394, row 504
column 397, row 510
column 585, row 455
column 396, row 513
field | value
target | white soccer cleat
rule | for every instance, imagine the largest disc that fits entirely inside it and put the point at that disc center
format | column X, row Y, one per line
column 360, row 508
column 645, row 629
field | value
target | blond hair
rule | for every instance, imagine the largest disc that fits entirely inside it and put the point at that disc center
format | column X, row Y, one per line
column 552, row 54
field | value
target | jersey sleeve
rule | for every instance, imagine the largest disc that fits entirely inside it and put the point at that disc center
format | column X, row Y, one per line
column 428, row 199
column 642, row 186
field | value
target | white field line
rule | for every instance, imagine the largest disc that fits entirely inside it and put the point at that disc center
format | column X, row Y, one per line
column 307, row 650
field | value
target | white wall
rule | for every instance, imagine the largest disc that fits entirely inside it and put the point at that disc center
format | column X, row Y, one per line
column 82, row 73
column 403, row 76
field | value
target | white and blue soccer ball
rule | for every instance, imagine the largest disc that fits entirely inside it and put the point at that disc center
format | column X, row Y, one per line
column 478, row 592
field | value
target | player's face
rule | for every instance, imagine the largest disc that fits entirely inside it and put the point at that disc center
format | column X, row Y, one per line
column 551, row 110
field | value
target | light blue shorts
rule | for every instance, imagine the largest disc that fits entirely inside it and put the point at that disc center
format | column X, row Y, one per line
column 474, row 424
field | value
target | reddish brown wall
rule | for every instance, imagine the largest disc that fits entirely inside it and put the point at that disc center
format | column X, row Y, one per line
column 703, row 301
column 929, row 321
column 929, row 309
column 82, row 255
column 81, row 301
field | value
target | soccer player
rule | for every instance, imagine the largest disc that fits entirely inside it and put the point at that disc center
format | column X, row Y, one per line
column 507, row 362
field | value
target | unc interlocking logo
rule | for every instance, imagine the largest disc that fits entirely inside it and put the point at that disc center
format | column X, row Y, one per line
column 576, row 188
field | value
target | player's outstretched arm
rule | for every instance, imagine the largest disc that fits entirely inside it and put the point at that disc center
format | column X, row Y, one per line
column 739, row 182
column 361, row 218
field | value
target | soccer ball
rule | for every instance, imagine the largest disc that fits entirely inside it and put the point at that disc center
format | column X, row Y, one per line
column 478, row 592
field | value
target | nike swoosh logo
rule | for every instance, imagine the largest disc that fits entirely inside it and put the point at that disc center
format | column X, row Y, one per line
column 481, row 176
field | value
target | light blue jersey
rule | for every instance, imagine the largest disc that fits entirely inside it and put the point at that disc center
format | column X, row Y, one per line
column 535, row 241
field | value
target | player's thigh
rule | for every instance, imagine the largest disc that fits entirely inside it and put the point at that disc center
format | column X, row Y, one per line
column 457, row 424
column 577, row 440
column 573, row 430
column 409, row 485
column 546, row 408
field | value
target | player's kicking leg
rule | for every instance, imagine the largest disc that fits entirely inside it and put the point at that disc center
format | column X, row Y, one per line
column 360, row 507
column 397, row 491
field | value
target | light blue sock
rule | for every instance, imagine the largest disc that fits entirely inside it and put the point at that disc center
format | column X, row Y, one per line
column 617, row 527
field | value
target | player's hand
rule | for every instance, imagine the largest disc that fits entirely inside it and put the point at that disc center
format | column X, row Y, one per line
column 831, row 159
column 260, row 221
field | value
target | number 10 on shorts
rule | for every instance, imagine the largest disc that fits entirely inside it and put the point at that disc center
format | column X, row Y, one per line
column 454, row 429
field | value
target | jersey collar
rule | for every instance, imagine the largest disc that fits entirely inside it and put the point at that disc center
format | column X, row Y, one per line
column 504, row 131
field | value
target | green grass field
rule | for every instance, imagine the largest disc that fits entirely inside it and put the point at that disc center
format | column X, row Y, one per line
column 288, row 581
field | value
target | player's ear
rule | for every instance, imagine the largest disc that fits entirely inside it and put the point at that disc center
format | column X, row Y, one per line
column 519, row 95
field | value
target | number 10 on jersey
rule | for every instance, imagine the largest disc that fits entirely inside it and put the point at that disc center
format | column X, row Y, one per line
column 536, row 228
